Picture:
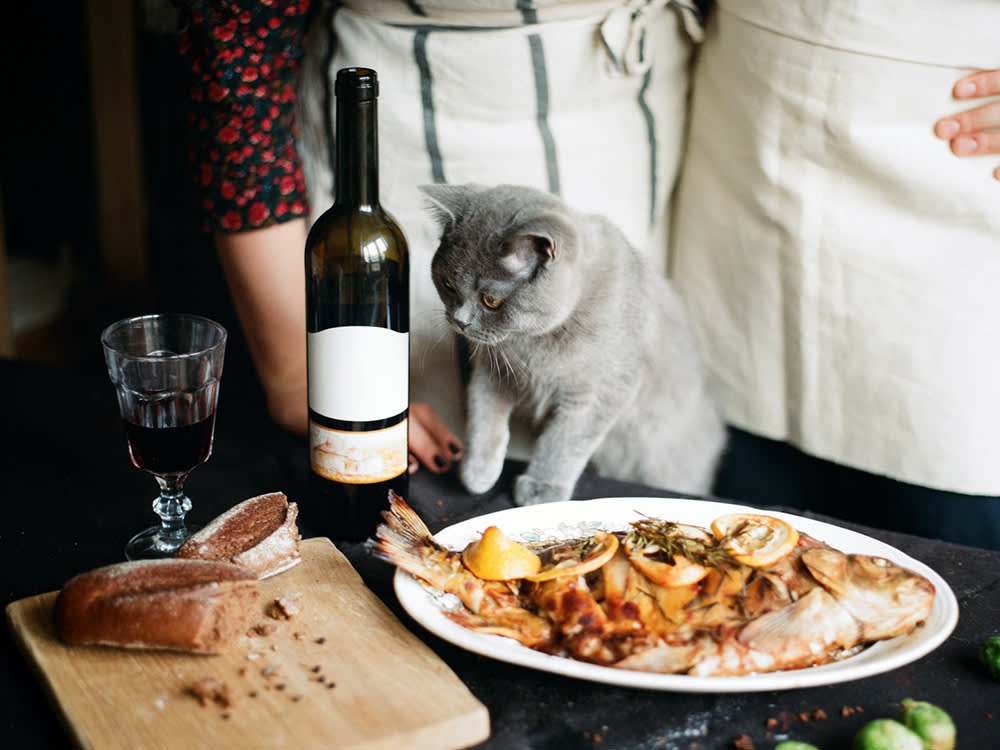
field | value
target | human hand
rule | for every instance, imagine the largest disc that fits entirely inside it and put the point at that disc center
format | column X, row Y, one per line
column 974, row 132
column 431, row 442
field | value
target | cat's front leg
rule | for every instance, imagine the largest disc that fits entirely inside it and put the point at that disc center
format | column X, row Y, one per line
column 487, row 432
column 531, row 491
column 562, row 450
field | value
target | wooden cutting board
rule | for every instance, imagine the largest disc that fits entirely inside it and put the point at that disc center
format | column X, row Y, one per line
column 345, row 673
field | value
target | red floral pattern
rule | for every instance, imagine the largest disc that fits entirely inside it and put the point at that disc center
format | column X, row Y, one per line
column 243, row 57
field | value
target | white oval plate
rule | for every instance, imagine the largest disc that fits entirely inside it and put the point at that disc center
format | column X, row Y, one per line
column 576, row 518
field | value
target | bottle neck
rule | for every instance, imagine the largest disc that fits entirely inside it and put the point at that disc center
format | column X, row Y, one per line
column 356, row 168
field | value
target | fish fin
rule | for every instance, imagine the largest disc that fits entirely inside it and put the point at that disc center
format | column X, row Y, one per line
column 802, row 633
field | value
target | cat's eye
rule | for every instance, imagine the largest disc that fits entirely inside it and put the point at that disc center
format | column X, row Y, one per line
column 491, row 302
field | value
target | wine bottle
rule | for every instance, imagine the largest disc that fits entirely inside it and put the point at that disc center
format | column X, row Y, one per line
column 357, row 311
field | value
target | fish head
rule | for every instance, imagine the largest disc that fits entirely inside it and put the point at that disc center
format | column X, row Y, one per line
column 886, row 598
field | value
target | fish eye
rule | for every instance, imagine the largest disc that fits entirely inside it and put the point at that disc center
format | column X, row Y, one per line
column 491, row 302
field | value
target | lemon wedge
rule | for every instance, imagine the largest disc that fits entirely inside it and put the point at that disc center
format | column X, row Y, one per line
column 755, row 540
column 495, row 557
column 604, row 546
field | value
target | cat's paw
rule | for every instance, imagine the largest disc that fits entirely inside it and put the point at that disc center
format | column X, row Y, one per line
column 529, row 491
column 479, row 475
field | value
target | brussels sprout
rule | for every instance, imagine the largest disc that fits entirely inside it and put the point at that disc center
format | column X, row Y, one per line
column 794, row 745
column 886, row 734
column 934, row 726
column 989, row 655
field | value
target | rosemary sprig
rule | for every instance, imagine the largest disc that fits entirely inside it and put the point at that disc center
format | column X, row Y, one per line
column 670, row 541
column 557, row 550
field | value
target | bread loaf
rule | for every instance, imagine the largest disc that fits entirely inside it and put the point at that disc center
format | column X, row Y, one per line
column 260, row 534
column 180, row 605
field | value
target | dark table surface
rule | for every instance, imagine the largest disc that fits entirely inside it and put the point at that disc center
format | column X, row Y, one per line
column 71, row 500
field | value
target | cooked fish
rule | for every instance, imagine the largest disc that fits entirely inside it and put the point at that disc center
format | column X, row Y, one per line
column 674, row 599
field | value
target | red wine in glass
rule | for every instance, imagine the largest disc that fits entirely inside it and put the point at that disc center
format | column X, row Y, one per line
column 170, row 450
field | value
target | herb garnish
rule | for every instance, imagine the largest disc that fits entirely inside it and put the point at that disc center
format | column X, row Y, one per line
column 667, row 539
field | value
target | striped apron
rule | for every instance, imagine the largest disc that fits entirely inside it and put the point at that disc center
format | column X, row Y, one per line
column 584, row 99
column 842, row 266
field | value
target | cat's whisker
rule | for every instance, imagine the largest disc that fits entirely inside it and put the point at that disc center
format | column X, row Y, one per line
column 439, row 330
column 503, row 365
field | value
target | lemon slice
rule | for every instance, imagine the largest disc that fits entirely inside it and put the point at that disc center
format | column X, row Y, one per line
column 604, row 547
column 683, row 572
column 755, row 540
column 495, row 557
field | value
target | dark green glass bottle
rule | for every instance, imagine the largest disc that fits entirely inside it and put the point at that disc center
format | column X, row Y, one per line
column 357, row 322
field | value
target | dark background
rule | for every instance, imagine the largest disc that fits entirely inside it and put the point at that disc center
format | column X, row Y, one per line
column 61, row 288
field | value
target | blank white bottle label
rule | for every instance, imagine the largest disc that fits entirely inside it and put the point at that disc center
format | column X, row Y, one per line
column 358, row 373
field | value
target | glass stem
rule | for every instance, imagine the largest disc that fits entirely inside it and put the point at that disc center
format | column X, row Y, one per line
column 172, row 506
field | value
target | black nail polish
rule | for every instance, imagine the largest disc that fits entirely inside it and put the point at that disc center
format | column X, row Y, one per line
column 455, row 448
column 440, row 462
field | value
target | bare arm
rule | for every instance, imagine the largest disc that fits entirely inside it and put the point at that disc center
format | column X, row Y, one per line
column 976, row 131
column 266, row 277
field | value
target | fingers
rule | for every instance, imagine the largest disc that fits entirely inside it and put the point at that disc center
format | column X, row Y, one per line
column 983, row 83
column 972, row 131
column 431, row 442
column 976, row 131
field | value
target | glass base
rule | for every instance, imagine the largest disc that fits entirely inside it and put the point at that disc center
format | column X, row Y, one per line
column 153, row 544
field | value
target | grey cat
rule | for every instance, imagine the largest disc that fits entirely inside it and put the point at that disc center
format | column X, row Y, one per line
column 566, row 320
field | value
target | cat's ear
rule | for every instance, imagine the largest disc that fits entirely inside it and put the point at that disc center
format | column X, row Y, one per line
column 447, row 202
column 438, row 204
column 525, row 252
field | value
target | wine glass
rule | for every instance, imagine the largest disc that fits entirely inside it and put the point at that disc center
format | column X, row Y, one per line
column 166, row 370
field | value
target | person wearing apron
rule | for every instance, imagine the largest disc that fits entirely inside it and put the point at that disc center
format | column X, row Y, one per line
column 586, row 99
column 841, row 265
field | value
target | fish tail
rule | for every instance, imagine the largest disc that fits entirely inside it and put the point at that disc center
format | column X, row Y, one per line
column 404, row 540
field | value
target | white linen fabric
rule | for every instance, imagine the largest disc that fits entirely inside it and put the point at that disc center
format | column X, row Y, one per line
column 584, row 99
column 841, row 265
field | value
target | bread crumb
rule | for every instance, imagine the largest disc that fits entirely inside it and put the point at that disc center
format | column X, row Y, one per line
column 210, row 690
column 743, row 742
column 273, row 670
column 285, row 607
column 263, row 628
